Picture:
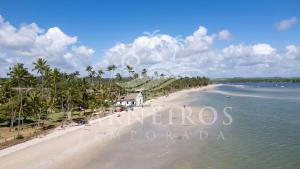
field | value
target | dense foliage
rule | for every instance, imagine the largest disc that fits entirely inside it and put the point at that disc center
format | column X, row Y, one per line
column 32, row 98
column 172, row 85
column 25, row 98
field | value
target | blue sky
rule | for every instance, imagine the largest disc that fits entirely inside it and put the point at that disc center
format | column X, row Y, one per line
column 100, row 25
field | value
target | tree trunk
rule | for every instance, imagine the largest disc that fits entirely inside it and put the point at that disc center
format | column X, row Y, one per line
column 13, row 113
column 21, row 106
column 54, row 96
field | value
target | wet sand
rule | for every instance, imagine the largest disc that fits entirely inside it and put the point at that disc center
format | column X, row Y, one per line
column 133, row 140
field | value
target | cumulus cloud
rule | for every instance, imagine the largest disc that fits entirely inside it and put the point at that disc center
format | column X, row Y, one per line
column 29, row 42
column 293, row 52
column 199, row 40
column 224, row 35
column 143, row 51
column 191, row 55
column 195, row 55
column 83, row 51
column 286, row 23
column 263, row 49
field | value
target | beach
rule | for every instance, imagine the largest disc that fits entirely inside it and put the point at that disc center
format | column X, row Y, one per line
column 73, row 147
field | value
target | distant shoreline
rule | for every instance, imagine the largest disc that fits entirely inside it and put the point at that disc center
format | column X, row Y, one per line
column 258, row 80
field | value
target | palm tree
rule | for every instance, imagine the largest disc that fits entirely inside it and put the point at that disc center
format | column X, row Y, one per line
column 33, row 104
column 55, row 77
column 136, row 75
column 118, row 77
column 71, row 93
column 93, row 74
column 89, row 69
column 156, row 74
column 100, row 73
column 19, row 74
column 9, row 99
column 144, row 73
column 130, row 70
column 111, row 68
column 42, row 68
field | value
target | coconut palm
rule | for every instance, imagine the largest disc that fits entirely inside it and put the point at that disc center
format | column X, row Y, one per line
column 118, row 77
column 136, row 75
column 156, row 74
column 90, row 71
column 93, row 74
column 42, row 68
column 71, row 93
column 144, row 73
column 19, row 74
column 100, row 73
column 40, row 65
column 55, row 77
column 33, row 105
column 111, row 69
column 130, row 70
column 8, row 100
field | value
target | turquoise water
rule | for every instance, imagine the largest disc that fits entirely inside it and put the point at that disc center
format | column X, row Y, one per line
column 265, row 132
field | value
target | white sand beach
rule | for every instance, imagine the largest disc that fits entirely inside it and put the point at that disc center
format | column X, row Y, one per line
column 66, row 148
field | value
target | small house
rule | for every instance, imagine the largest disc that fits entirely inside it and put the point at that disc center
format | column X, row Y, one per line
column 132, row 99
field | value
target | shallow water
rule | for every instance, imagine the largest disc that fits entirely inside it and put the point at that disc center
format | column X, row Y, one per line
column 265, row 132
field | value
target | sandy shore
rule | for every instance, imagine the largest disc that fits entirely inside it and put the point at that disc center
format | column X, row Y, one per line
column 56, row 149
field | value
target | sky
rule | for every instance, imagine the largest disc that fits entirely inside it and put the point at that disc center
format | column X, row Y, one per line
column 215, row 38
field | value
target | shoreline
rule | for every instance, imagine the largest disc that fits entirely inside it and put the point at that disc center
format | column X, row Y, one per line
column 158, row 103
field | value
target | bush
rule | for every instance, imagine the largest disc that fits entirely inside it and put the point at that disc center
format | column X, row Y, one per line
column 19, row 137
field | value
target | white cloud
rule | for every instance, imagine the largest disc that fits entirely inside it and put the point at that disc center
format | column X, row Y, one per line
column 83, row 51
column 13, row 38
column 286, row 23
column 263, row 49
column 55, row 40
column 199, row 41
column 28, row 42
column 144, row 50
column 224, row 35
column 293, row 52
column 241, row 55
column 190, row 55
column 195, row 55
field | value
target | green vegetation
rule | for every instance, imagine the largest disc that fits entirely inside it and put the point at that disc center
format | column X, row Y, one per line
column 173, row 85
column 155, row 83
column 134, row 83
column 51, row 97
column 31, row 104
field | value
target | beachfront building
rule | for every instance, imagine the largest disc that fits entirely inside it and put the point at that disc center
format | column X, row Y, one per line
column 132, row 99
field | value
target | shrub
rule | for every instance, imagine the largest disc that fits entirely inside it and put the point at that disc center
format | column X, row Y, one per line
column 19, row 137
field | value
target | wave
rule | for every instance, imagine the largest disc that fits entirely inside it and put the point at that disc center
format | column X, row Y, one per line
column 239, row 94
column 251, row 95
column 258, row 88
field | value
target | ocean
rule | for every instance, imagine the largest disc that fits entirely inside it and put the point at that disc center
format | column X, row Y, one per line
column 265, row 128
